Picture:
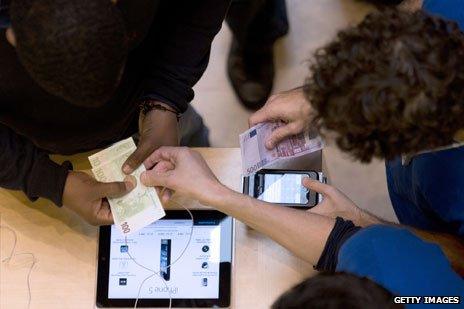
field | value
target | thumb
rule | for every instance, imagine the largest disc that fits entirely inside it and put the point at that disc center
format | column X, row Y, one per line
column 153, row 178
column 144, row 149
column 317, row 186
column 114, row 189
column 278, row 135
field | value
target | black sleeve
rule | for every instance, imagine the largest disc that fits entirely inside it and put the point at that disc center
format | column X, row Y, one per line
column 340, row 233
column 25, row 167
column 180, row 44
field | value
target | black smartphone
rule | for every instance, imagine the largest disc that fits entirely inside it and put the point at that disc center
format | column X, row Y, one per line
column 282, row 187
column 165, row 259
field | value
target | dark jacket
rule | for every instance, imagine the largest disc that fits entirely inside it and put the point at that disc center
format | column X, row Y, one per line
column 165, row 65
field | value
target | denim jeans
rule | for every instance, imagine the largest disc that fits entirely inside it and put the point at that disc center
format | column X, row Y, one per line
column 428, row 193
column 192, row 129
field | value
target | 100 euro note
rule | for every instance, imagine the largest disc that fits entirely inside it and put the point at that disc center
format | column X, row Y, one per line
column 256, row 156
column 136, row 209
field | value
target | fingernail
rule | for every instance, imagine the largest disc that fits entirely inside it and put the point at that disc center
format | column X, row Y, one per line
column 131, row 182
column 126, row 169
column 143, row 177
column 269, row 144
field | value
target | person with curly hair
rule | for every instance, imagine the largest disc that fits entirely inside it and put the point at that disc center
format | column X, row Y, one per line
column 393, row 88
column 364, row 262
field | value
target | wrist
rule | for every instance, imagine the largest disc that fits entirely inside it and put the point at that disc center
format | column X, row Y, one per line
column 47, row 180
column 366, row 219
column 153, row 106
column 68, row 185
column 217, row 194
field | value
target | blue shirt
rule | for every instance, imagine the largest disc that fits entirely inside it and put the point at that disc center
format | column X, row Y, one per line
column 4, row 15
column 428, row 192
column 447, row 9
column 402, row 263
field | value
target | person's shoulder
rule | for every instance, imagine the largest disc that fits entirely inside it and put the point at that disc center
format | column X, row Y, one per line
column 399, row 260
column 385, row 232
column 383, row 241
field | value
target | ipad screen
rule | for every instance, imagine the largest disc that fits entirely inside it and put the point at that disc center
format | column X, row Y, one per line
column 194, row 276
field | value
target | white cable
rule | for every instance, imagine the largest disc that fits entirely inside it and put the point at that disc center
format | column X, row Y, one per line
column 13, row 254
column 157, row 273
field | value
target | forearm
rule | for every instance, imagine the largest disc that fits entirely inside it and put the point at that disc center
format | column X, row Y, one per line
column 301, row 232
column 355, row 214
column 29, row 169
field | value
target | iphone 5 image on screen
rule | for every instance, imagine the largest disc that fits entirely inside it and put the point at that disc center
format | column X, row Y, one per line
column 165, row 259
column 284, row 187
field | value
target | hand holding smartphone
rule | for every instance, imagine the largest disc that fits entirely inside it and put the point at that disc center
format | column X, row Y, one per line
column 283, row 187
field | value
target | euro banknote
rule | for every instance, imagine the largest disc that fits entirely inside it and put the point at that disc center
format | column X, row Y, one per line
column 136, row 209
column 256, row 156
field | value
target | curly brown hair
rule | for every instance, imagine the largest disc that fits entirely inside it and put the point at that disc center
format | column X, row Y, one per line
column 392, row 85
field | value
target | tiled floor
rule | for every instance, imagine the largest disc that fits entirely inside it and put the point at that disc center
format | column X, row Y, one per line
column 312, row 23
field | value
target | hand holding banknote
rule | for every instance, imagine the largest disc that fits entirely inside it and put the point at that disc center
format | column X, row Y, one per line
column 289, row 107
column 182, row 170
column 138, row 208
column 157, row 128
column 87, row 197
column 255, row 156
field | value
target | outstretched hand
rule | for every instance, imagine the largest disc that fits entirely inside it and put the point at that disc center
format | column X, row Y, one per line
column 182, row 170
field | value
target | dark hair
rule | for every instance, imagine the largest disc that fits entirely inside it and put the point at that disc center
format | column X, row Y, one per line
column 392, row 85
column 338, row 290
column 384, row 2
column 74, row 49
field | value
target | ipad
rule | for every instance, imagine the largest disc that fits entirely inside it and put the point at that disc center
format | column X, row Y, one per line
column 201, row 277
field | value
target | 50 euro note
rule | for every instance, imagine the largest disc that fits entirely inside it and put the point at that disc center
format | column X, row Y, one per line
column 256, row 156
column 136, row 209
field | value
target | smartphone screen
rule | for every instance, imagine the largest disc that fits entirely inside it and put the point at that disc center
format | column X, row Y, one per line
column 283, row 188
column 165, row 259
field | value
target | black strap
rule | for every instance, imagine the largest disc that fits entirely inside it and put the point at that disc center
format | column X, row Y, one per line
column 149, row 105
column 339, row 234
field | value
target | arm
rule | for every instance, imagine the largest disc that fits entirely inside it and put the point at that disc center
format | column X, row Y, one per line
column 29, row 169
column 306, row 234
column 177, row 51
column 336, row 204
column 180, row 40
column 303, row 233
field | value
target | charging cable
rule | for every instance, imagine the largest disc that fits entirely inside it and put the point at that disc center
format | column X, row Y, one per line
column 157, row 273
column 12, row 255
